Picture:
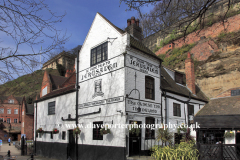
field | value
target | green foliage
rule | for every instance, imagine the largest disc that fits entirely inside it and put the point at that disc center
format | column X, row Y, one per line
column 61, row 69
column 104, row 131
column 183, row 151
column 133, row 128
column 28, row 85
column 177, row 55
column 181, row 128
column 229, row 134
column 164, row 135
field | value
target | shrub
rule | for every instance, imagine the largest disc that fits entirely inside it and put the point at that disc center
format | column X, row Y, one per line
column 183, row 151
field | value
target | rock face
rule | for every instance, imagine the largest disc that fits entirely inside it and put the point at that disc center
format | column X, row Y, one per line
column 220, row 73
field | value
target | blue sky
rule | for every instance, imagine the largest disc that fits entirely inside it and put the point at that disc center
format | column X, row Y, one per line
column 80, row 15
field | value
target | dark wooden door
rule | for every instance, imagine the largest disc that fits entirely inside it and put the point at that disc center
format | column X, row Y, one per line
column 71, row 145
column 135, row 142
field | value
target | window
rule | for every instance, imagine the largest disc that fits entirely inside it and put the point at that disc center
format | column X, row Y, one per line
column 235, row 92
column 1, row 119
column 11, row 101
column 15, row 120
column 190, row 109
column 9, row 111
column 51, row 135
column 8, row 120
column 179, row 78
column 51, row 108
column 150, row 134
column 149, row 88
column 96, row 130
column 99, row 54
column 15, row 111
column 176, row 110
column 1, row 111
column 63, row 135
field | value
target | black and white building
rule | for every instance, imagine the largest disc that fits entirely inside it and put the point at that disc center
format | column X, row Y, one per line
column 120, row 83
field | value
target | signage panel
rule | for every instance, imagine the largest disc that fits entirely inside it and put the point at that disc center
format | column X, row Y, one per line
column 142, row 66
column 145, row 107
column 101, row 102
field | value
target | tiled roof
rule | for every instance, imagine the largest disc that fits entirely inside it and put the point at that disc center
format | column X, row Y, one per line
column 168, row 84
column 221, row 106
column 19, row 99
column 58, row 92
column 56, row 81
column 140, row 46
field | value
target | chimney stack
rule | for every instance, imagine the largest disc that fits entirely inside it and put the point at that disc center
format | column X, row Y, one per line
column 189, row 71
column 134, row 29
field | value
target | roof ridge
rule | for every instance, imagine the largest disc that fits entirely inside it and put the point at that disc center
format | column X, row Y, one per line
column 114, row 26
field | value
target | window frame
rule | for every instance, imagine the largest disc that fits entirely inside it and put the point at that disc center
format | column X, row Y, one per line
column 15, row 110
column 176, row 109
column 94, row 54
column 2, row 110
column 11, row 101
column 2, row 120
column 63, row 135
column 148, row 89
column 8, row 111
column 97, row 136
column 148, row 131
column 8, row 120
column 16, row 120
column 50, row 108
column 190, row 109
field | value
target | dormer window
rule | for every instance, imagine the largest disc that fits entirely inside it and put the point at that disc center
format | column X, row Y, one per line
column 11, row 101
column 99, row 54
column 179, row 78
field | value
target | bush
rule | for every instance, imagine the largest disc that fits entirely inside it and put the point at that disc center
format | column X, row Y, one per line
column 183, row 151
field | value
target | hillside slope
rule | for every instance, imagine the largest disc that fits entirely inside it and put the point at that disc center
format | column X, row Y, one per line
column 220, row 71
column 28, row 85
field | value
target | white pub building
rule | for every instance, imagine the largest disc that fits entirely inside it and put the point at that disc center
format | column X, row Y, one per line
column 119, row 80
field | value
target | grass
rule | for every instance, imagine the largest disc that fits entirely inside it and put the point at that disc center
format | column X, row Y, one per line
column 177, row 55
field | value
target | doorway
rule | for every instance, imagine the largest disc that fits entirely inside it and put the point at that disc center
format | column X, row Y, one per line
column 135, row 141
column 71, row 145
column 238, row 142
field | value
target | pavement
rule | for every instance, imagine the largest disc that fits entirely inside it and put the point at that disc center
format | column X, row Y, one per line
column 16, row 154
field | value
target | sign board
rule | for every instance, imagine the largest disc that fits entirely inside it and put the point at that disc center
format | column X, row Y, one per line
column 142, row 66
column 101, row 102
column 0, row 142
column 99, row 69
column 146, row 107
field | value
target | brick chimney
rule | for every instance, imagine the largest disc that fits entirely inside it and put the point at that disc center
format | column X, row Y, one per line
column 189, row 71
column 68, row 73
column 133, row 28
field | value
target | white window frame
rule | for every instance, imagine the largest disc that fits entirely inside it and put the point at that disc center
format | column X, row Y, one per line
column 11, row 101
column 15, row 111
column 9, row 120
column 8, row 111
column 2, row 109
column 16, row 121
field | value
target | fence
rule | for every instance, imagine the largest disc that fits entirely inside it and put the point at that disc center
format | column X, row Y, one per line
column 219, row 151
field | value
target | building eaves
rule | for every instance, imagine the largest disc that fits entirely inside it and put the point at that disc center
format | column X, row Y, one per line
column 134, row 43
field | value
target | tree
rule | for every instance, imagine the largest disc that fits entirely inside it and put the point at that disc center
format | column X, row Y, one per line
column 179, row 16
column 165, row 136
column 30, row 26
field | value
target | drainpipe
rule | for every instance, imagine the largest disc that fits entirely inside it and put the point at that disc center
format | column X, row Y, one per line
column 77, row 86
column 161, row 91
column 35, row 130
column 165, row 107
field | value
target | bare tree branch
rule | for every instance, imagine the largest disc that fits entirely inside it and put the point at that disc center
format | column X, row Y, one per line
column 29, row 25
